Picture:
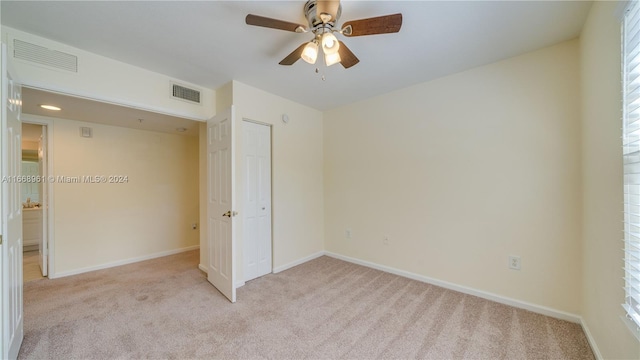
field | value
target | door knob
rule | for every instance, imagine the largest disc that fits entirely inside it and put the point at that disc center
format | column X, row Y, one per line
column 228, row 213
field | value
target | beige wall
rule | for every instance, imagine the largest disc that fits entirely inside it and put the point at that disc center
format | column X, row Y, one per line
column 297, row 168
column 102, row 78
column 463, row 171
column 297, row 187
column 297, row 184
column 602, row 181
column 29, row 145
column 100, row 224
column 224, row 97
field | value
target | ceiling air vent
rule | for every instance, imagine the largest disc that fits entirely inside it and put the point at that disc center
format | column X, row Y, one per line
column 184, row 93
column 41, row 55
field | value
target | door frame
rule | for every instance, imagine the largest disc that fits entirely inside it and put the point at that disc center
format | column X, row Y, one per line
column 241, row 202
column 49, row 209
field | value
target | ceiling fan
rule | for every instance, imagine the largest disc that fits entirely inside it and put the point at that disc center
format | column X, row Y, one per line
column 322, row 16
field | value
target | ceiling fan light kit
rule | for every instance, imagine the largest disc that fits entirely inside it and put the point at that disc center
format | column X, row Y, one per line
column 322, row 16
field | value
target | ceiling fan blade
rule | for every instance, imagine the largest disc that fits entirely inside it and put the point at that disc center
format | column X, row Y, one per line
column 329, row 7
column 347, row 58
column 372, row 26
column 274, row 23
column 294, row 56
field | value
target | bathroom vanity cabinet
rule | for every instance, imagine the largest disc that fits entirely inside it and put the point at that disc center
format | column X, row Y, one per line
column 31, row 226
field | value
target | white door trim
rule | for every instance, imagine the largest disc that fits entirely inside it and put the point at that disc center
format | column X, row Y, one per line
column 258, row 122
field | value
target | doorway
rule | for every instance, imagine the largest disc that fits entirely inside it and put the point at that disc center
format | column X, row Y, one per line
column 35, row 194
column 256, row 222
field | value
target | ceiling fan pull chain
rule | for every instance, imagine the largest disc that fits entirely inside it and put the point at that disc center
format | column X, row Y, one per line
column 322, row 75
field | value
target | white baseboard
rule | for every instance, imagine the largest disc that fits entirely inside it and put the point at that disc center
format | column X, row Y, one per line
column 298, row 262
column 240, row 283
column 203, row 268
column 591, row 340
column 122, row 262
column 463, row 289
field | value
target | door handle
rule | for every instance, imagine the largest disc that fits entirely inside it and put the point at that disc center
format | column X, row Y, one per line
column 228, row 213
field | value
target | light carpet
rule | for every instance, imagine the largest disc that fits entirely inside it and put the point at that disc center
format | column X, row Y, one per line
column 323, row 309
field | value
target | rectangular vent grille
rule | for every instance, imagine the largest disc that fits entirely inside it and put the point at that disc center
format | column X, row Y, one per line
column 184, row 93
column 43, row 56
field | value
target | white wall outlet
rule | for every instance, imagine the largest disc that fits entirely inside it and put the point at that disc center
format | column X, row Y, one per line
column 514, row 262
column 347, row 233
column 385, row 240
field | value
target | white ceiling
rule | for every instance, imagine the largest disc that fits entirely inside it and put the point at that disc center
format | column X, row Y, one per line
column 207, row 42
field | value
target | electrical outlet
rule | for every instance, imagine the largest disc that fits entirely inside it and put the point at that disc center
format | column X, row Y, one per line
column 514, row 262
column 385, row 240
column 347, row 233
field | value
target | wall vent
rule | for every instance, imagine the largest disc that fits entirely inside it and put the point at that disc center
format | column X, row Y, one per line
column 184, row 93
column 41, row 55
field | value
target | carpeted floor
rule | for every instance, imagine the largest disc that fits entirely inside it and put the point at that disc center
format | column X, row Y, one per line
column 323, row 309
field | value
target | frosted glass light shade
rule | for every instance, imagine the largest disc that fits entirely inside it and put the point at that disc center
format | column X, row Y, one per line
column 331, row 59
column 310, row 52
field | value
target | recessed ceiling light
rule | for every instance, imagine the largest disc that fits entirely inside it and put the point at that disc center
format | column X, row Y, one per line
column 50, row 107
column 181, row 129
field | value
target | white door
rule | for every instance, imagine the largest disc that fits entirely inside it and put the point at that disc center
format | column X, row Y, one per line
column 221, row 272
column 11, row 248
column 44, row 201
column 256, row 223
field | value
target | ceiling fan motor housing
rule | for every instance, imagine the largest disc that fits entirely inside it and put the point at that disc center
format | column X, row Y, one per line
column 315, row 19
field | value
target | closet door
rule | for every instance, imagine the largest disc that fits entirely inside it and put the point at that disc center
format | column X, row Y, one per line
column 256, row 222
